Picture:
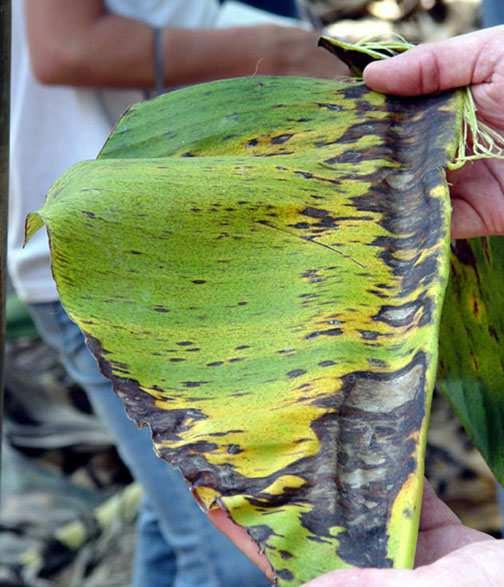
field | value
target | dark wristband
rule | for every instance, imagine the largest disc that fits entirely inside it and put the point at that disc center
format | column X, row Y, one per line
column 159, row 62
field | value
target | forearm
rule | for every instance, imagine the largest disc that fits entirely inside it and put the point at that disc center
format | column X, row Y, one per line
column 202, row 55
column 86, row 46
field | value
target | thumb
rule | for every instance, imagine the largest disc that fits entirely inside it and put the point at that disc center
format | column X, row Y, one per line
column 434, row 67
column 366, row 578
column 479, row 563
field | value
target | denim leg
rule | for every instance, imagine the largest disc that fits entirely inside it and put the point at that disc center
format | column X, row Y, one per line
column 493, row 12
column 151, row 565
column 204, row 557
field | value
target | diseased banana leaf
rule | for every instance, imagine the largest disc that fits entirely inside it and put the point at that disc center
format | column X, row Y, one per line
column 472, row 345
column 259, row 265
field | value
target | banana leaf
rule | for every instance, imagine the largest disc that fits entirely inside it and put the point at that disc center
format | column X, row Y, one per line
column 259, row 267
column 472, row 345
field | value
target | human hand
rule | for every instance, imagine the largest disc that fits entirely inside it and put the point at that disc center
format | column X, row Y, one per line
column 448, row 554
column 294, row 51
column 475, row 59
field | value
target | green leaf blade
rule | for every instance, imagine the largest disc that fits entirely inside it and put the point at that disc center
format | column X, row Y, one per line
column 472, row 350
column 270, row 306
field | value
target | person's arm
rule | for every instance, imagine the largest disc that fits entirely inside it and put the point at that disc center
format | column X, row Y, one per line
column 79, row 43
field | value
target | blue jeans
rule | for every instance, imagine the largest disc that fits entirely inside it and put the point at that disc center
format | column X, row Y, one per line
column 177, row 546
column 493, row 12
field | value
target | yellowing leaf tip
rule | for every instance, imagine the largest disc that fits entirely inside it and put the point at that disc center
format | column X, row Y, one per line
column 33, row 223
